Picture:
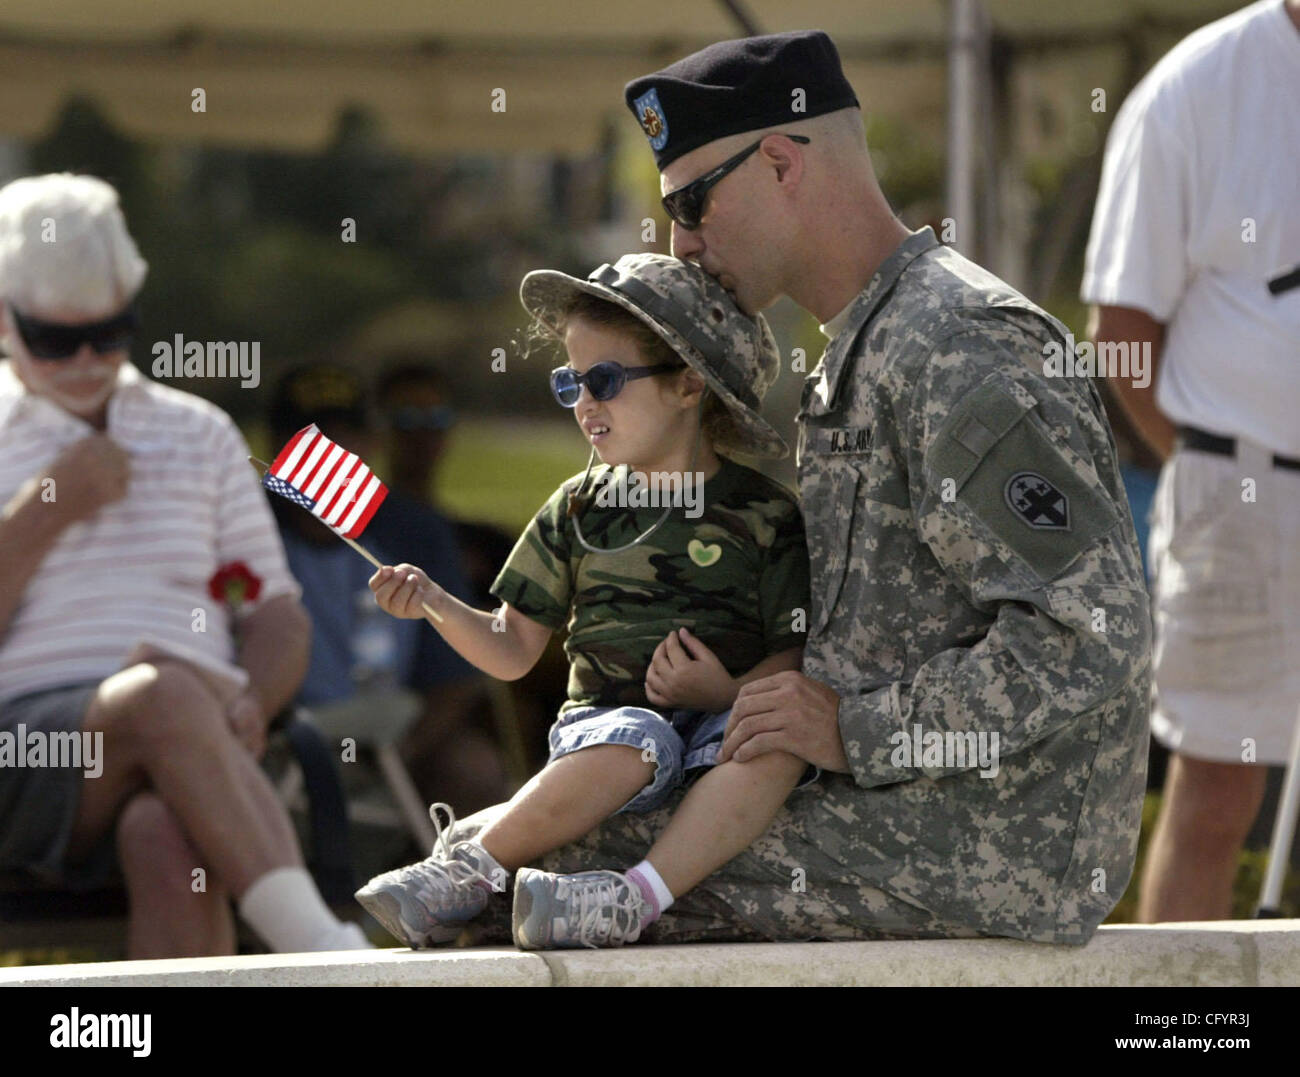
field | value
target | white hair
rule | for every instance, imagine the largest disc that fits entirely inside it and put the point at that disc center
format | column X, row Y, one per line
column 64, row 246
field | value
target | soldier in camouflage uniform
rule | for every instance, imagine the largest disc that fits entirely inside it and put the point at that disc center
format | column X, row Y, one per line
column 673, row 593
column 976, row 581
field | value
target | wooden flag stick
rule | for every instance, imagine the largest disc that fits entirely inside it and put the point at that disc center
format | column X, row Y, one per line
column 264, row 467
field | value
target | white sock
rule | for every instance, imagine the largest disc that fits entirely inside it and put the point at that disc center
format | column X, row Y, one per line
column 347, row 936
column 663, row 896
column 286, row 910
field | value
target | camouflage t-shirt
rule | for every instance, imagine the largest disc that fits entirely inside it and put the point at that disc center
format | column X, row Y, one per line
column 731, row 567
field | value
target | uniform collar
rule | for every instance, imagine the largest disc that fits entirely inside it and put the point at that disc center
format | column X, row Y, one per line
column 860, row 311
column 835, row 326
column 15, row 398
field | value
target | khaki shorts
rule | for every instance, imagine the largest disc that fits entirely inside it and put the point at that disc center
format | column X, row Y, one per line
column 1226, row 599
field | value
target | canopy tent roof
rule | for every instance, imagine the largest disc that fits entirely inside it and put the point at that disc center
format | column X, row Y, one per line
column 277, row 74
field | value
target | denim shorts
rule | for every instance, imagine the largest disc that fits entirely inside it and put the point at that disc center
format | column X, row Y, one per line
column 679, row 742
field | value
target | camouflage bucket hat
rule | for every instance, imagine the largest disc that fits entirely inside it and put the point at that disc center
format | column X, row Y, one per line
column 735, row 354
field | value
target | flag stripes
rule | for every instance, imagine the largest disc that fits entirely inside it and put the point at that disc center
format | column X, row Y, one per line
column 333, row 483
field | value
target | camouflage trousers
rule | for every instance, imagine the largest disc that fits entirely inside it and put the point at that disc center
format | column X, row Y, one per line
column 781, row 889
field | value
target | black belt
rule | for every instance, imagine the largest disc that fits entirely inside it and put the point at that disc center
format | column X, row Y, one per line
column 1189, row 437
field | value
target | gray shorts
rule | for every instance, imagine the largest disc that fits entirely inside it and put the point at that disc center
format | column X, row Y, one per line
column 38, row 805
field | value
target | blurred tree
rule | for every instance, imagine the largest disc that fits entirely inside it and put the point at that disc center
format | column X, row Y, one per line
column 251, row 245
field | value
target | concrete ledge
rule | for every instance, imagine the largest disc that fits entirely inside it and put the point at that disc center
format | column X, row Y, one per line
column 1246, row 953
column 480, row 967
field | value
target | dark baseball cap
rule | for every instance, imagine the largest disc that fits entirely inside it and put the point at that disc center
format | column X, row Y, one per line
column 321, row 393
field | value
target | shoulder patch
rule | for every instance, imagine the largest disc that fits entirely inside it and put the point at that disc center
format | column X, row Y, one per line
column 996, row 460
column 1036, row 501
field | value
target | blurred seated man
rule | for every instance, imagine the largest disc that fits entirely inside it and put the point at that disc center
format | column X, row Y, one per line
column 122, row 499
column 399, row 672
column 418, row 414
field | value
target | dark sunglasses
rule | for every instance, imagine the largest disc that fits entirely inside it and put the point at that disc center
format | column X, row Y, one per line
column 55, row 340
column 604, row 381
column 686, row 204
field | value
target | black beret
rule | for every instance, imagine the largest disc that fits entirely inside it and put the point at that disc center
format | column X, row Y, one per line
column 736, row 86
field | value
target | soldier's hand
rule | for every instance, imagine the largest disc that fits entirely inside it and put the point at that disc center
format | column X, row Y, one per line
column 401, row 589
column 685, row 673
column 786, row 712
column 88, row 475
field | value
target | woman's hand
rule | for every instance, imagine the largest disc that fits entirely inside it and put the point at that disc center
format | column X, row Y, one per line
column 685, row 673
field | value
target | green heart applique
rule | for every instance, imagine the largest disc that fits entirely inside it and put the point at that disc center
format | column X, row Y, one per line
column 703, row 555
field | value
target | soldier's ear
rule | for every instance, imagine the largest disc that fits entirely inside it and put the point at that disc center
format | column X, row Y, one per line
column 785, row 157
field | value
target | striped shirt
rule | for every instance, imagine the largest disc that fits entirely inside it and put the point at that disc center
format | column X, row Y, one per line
column 136, row 572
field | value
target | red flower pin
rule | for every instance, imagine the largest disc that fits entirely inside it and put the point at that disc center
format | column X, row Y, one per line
column 234, row 583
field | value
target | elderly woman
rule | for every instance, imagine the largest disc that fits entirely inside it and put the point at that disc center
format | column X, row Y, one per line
column 122, row 499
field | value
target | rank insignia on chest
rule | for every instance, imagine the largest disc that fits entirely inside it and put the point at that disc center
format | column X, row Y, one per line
column 1037, row 502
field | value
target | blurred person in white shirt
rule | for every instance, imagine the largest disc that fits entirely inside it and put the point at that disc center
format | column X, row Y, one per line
column 121, row 500
column 1198, row 210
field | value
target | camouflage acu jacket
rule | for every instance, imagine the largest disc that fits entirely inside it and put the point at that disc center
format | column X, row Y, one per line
column 976, row 584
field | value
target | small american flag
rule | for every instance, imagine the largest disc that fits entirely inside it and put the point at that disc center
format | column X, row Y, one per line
column 333, row 483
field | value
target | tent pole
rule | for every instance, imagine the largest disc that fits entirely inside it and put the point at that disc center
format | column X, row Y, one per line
column 744, row 19
column 966, row 23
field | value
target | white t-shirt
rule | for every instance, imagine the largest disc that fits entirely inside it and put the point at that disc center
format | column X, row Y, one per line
column 135, row 573
column 1206, row 144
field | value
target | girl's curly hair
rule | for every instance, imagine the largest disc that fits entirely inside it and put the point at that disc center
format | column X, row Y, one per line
column 717, row 419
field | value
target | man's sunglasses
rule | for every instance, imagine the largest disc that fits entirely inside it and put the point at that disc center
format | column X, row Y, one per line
column 686, row 204
column 604, row 381
column 55, row 340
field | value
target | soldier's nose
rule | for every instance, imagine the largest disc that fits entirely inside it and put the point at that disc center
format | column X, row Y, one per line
column 685, row 244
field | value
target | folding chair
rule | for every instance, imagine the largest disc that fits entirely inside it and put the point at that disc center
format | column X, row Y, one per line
column 375, row 722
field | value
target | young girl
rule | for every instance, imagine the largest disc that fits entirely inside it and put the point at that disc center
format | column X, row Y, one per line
column 680, row 575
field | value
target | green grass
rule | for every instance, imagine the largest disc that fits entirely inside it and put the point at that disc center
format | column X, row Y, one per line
column 501, row 470
column 494, row 470
column 62, row 955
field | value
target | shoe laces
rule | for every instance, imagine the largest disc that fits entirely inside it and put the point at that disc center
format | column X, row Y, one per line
column 610, row 906
column 441, row 874
column 443, row 838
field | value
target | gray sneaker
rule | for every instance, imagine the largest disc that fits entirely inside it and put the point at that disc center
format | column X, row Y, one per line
column 429, row 903
column 591, row 908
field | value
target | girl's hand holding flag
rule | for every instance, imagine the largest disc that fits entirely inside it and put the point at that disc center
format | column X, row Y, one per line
column 334, row 485
column 405, row 591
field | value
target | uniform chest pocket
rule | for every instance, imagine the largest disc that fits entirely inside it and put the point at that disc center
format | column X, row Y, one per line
column 830, row 489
